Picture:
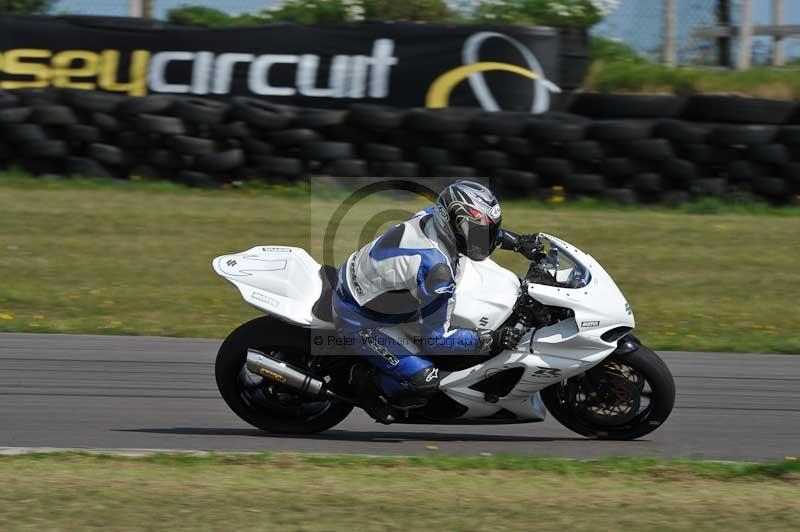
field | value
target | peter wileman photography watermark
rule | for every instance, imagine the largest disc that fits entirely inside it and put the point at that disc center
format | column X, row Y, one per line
column 347, row 214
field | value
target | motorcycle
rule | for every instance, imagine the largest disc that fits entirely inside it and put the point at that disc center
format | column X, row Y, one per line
column 288, row 372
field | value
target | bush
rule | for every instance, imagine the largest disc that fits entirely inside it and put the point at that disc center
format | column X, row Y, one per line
column 572, row 13
column 206, row 16
column 25, row 7
column 413, row 10
column 565, row 13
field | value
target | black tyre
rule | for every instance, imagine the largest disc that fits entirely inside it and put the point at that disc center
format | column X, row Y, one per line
column 769, row 154
column 294, row 137
column 261, row 114
column 439, row 120
column 459, row 142
column 155, row 104
column 789, row 135
column 603, row 105
column 621, row 196
column 347, row 168
column 710, row 186
column 257, row 147
column 109, row 123
column 108, row 154
column 502, row 124
column 266, row 405
column 517, row 180
column 710, row 108
column 399, row 169
column 282, row 166
column 619, row 130
column 83, row 133
column 743, row 134
column 681, row 131
column 680, row 171
column 376, row 116
column 491, row 160
column 47, row 149
column 432, row 157
column 196, row 179
column 518, row 146
column 24, row 133
column 647, row 183
column 221, row 161
column 382, row 152
column 96, row 101
column 623, row 398
column 233, row 130
column 165, row 125
column 327, row 151
column 201, row 110
column 552, row 169
column 585, row 151
column 454, row 171
column 83, row 167
column 54, row 115
column 14, row 115
column 308, row 117
column 8, row 99
column 191, row 145
column 650, row 149
column 591, row 184
column 555, row 131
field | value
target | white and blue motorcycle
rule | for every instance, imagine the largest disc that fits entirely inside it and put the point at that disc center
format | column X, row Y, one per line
column 288, row 372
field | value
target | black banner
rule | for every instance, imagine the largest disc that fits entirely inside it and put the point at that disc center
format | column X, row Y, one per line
column 398, row 64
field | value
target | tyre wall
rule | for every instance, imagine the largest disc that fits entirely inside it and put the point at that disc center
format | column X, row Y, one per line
column 626, row 148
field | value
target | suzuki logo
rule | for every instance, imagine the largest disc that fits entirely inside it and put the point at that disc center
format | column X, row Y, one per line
column 473, row 69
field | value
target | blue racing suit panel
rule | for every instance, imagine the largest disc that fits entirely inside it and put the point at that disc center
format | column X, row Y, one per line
column 401, row 277
column 436, row 302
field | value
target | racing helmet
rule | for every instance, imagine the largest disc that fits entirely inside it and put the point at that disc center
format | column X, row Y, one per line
column 467, row 217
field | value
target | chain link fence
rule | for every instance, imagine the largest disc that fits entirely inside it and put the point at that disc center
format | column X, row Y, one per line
column 639, row 24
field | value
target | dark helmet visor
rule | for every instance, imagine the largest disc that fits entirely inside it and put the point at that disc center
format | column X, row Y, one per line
column 479, row 239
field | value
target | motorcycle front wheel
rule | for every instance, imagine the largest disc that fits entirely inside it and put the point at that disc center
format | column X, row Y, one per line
column 625, row 397
column 265, row 404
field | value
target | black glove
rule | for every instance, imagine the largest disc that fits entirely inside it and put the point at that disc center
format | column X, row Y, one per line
column 506, row 338
column 527, row 245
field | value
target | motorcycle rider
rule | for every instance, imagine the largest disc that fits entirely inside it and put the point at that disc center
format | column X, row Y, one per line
column 409, row 274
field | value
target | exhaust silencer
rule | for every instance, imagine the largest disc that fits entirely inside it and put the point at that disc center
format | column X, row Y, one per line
column 278, row 371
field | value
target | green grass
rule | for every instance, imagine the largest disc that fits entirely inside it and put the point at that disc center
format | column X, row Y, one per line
column 134, row 258
column 618, row 68
column 272, row 492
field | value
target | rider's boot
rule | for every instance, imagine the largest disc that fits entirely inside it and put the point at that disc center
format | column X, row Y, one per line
column 364, row 381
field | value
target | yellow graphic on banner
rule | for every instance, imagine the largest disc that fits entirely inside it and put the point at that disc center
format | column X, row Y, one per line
column 439, row 92
column 74, row 69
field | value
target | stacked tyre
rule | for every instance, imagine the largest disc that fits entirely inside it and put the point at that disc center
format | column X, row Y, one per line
column 627, row 148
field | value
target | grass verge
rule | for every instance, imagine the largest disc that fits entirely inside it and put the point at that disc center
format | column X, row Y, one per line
column 617, row 67
column 134, row 258
column 269, row 492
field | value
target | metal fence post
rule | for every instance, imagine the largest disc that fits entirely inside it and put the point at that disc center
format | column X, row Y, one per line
column 147, row 9
column 724, row 43
column 671, row 32
column 779, row 47
column 745, row 36
column 135, row 8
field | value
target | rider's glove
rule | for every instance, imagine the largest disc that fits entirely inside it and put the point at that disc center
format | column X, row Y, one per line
column 529, row 245
column 506, row 338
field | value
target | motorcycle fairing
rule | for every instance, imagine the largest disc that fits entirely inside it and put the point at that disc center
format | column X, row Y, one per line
column 282, row 281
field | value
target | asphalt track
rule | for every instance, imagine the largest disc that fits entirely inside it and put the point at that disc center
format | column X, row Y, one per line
column 159, row 393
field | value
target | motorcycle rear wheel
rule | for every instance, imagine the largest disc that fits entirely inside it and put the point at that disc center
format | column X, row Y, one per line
column 270, row 406
column 624, row 398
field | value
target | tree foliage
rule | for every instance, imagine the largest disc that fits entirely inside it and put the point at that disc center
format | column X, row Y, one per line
column 25, row 7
